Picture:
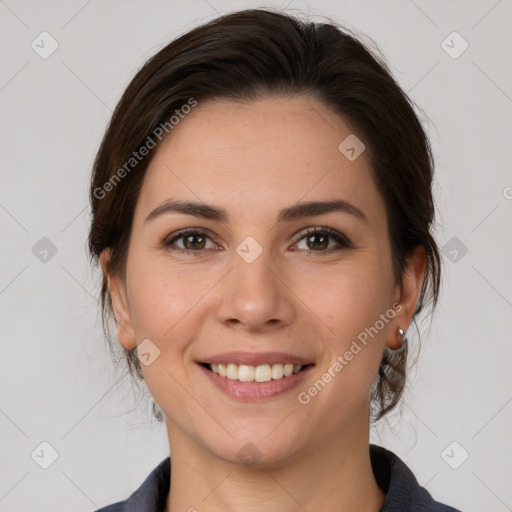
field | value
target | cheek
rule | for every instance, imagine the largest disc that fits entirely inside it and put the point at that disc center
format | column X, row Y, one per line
column 351, row 298
column 165, row 303
column 352, row 303
column 163, row 298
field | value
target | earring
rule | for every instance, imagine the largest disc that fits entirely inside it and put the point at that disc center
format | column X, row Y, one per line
column 401, row 337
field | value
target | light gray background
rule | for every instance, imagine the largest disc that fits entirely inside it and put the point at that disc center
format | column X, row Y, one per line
column 58, row 383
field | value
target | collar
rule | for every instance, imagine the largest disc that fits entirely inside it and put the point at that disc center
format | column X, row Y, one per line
column 403, row 493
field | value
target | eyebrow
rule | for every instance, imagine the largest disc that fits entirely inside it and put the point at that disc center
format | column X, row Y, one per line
column 297, row 211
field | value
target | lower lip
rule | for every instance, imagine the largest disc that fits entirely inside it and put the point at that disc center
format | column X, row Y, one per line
column 250, row 391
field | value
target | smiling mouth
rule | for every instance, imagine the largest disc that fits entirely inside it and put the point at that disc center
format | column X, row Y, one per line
column 260, row 373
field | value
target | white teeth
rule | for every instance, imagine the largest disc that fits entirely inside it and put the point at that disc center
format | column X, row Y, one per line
column 288, row 370
column 232, row 371
column 261, row 373
column 277, row 371
column 245, row 373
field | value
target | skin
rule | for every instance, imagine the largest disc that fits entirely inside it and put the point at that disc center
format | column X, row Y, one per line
column 253, row 160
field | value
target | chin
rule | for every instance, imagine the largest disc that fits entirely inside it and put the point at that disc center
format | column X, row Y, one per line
column 257, row 447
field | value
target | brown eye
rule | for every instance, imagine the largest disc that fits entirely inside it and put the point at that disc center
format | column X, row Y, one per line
column 323, row 240
column 317, row 241
column 193, row 242
column 190, row 240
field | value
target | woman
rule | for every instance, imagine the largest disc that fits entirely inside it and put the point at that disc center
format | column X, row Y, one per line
column 262, row 213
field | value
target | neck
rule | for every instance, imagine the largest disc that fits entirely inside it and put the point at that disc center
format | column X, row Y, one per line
column 333, row 475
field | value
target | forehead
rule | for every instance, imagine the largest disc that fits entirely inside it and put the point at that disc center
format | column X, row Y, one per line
column 260, row 155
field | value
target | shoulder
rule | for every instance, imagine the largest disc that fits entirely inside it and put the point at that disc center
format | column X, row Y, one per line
column 150, row 496
column 403, row 492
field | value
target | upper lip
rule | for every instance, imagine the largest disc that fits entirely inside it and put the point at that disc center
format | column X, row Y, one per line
column 255, row 359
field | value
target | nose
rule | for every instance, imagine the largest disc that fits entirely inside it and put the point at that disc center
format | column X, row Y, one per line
column 256, row 296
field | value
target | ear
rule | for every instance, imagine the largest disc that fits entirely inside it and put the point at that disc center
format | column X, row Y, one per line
column 117, row 289
column 407, row 295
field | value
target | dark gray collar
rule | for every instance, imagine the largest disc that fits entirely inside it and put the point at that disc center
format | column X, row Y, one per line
column 403, row 493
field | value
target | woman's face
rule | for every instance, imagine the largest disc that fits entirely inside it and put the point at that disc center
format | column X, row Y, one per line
column 248, row 284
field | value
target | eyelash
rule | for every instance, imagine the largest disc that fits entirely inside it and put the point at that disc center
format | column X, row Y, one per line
column 342, row 240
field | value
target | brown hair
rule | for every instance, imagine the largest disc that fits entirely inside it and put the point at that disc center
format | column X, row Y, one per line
column 247, row 55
